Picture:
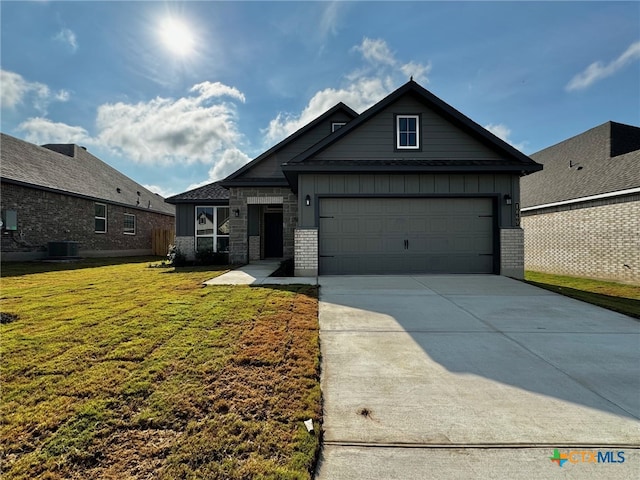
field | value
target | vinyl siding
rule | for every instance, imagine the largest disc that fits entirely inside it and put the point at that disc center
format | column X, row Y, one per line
column 415, row 184
column 440, row 139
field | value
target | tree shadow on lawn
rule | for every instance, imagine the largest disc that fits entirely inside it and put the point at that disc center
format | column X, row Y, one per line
column 17, row 269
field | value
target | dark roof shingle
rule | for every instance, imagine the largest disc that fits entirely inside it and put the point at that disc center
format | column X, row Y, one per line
column 604, row 159
column 75, row 172
column 212, row 192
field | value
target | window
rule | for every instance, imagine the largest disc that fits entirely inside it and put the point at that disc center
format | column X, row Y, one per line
column 408, row 132
column 337, row 126
column 101, row 218
column 129, row 224
column 212, row 229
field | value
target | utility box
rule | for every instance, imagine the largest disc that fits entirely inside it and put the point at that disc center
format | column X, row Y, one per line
column 66, row 249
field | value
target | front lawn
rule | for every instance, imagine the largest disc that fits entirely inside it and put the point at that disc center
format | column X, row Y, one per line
column 618, row 297
column 121, row 371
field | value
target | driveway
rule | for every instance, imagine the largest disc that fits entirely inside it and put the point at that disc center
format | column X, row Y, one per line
column 473, row 376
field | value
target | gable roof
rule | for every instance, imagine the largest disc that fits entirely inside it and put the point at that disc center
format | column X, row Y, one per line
column 212, row 193
column 513, row 160
column 602, row 160
column 71, row 170
column 235, row 178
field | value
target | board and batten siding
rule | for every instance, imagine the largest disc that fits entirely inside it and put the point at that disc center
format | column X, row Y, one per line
column 271, row 167
column 439, row 138
column 185, row 220
column 426, row 185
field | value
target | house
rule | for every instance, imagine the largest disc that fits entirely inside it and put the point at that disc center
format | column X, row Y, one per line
column 209, row 206
column 581, row 215
column 61, row 193
column 411, row 185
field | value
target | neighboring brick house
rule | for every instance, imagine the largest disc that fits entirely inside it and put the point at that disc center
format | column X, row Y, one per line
column 581, row 215
column 62, row 193
column 409, row 186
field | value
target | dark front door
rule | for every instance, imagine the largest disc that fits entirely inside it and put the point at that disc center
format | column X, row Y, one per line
column 273, row 235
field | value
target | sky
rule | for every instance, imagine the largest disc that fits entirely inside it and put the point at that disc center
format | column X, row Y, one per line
column 179, row 94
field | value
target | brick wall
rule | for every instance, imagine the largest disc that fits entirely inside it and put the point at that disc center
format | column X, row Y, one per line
column 45, row 216
column 512, row 252
column 599, row 239
column 306, row 252
column 238, row 238
column 187, row 247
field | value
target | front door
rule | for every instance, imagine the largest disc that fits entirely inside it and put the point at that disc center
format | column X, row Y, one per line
column 273, row 234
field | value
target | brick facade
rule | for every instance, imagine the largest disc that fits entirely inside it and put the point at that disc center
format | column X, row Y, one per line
column 306, row 252
column 238, row 236
column 597, row 239
column 45, row 216
column 512, row 252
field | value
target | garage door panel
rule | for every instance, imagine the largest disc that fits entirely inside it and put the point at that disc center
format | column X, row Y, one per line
column 370, row 235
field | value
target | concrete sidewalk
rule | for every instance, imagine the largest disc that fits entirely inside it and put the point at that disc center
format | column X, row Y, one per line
column 473, row 376
column 257, row 273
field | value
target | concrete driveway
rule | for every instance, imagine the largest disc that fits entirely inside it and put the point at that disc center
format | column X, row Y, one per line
column 476, row 376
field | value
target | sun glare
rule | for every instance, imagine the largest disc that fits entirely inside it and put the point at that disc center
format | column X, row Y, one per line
column 177, row 36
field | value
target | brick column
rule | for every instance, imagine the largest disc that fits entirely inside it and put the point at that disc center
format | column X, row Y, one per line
column 306, row 252
column 512, row 252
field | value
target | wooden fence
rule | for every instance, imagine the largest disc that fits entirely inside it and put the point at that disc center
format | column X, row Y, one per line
column 160, row 241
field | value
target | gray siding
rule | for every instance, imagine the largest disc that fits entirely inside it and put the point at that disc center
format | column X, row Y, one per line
column 270, row 166
column 185, row 220
column 440, row 139
column 416, row 184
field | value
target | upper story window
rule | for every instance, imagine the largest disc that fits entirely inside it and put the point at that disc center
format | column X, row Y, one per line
column 337, row 126
column 100, row 218
column 407, row 132
column 129, row 224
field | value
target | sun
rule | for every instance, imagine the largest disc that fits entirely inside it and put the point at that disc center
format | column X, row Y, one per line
column 177, row 36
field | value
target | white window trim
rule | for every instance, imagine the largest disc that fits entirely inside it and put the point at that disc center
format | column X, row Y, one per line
column 215, row 235
column 134, row 224
column 100, row 218
column 408, row 147
column 337, row 126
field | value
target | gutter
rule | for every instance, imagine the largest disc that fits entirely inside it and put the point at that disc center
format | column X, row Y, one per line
column 600, row 196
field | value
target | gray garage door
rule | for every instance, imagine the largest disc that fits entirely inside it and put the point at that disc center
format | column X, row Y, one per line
column 405, row 235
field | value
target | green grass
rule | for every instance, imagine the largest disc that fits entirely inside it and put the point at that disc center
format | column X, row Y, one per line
column 618, row 297
column 116, row 370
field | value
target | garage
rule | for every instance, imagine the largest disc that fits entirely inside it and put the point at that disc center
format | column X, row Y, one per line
column 365, row 235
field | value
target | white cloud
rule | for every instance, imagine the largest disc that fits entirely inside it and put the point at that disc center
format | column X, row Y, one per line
column 16, row 90
column 162, row 131
column 329, row 19
column 597, row 70
column 503, row 132
column 230, row 160
column 376, row 51
column 42, row 130
column 67, row 37
column 166, row 130
column 160, row 191
column 364, row 87
column 217, row 89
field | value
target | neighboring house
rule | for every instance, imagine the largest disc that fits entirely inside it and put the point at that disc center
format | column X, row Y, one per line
column 409, row 186
column 581, row 215
column 62, row 193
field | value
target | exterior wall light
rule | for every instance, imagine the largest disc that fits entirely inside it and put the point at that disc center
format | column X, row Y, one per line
column 507, row 199
column 236, row 212
column 307, row 200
